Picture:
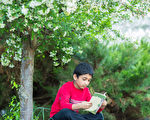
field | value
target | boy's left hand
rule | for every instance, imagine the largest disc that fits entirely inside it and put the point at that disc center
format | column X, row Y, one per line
column 104, row 104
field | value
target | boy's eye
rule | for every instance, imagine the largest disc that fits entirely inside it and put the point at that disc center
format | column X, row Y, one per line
column 89, row 80
column 84, row 79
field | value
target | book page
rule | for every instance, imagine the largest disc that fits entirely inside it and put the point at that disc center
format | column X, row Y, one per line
column 96, row 100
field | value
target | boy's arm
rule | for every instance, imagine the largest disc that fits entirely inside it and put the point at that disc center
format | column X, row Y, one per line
column 65, row 98
column 85, row 104
column 102, row 106
column 82, row 105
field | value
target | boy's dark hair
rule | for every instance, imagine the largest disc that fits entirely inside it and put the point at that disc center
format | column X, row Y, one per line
column 83, row 68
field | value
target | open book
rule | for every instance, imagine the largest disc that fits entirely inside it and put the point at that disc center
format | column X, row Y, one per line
column 96, row 100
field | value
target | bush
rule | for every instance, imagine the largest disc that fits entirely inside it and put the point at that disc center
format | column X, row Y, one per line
column 13, row 112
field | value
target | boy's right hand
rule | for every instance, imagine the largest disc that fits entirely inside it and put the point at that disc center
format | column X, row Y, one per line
column 86, row 105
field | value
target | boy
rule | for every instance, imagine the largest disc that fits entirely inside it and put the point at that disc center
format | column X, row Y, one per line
column 75, row 95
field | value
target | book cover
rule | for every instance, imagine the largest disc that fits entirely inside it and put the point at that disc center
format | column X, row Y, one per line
column 96, row 100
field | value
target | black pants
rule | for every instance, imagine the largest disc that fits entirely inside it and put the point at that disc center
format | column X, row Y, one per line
column 67, row 114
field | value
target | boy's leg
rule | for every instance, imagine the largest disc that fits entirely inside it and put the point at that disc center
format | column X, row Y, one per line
column 50, row 119
column 67, row 114
column 90, row 116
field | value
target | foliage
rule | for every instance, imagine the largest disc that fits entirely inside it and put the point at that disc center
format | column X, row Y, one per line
column 124, row 74
column 14, row 111
column 14, row 84
column 42, row 112
column 4, row 87
column 57, row 24
column 68, row 27
column 108, row 116
column 122, row 70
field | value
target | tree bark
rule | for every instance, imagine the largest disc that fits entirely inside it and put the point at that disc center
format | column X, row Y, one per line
column 26, row 89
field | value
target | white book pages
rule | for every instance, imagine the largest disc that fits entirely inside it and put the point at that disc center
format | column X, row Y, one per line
column 96, row 100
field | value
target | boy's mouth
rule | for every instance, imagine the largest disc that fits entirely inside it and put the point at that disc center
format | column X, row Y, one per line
column 83, row 87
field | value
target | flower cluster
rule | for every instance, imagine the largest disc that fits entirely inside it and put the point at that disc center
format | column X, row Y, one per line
column 12, row 14
column 24, row 10
column 53, row 53
column 34, row 3
column 4, row 61
column 54, row 57
column 71, row 5
column 14, row 50
column 41, row 12
column 68, row 50
column 2, row 25
column 65, row 60
column 7, row 1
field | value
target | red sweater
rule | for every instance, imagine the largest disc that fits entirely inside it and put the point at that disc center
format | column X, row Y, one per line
column 68, row 95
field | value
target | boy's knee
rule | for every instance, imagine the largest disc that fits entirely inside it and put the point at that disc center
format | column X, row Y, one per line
column 63, row 114
column 100, row 115
column 67, row 112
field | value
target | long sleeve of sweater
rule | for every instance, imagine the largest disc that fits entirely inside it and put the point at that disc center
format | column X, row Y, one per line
column 64, row 97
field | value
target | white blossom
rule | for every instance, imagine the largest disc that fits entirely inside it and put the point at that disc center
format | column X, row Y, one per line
column 34, row 4
column 7, row 1
column 12, row 30
column 50, row 18
column 56, row 63
column 80, row 51
column 4, row 61
column 49, row 25
column 53, row 53
column 26, row 33
column 65, row 34
column 39, row 51
column 55, row 58
column 26, row 22
column 2, row 25
column 124, row 1
column 13, row 35
column 44, row 13
column 14, row 49
column 30, row 17
column 24, row 10
column 8, row 42
column 17, row 57
column 11, row 66
column 65, row 60
column 71, row 5
column 68, row 50
column 18, row 39
column 9, row 15
column 49, row 4
column 35, row 29
column 56, row 28
column 89, row 23
column 40, row 12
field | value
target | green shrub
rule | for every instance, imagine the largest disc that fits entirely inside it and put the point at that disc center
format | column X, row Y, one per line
column 13, row 112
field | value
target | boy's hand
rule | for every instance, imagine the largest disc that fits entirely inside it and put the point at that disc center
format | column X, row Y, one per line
column 104, row 104
column 85, row 105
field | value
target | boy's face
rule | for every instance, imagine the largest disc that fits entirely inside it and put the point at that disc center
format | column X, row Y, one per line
column 82, row 81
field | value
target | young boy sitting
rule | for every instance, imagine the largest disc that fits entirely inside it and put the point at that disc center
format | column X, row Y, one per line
column 75, row 95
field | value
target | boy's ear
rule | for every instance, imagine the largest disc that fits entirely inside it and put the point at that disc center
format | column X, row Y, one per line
column 74, row 76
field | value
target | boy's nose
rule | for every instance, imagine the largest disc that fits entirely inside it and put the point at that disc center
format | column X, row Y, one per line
column 87, row 83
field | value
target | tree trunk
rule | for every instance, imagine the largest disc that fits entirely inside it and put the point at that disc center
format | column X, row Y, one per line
column 26, row 89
